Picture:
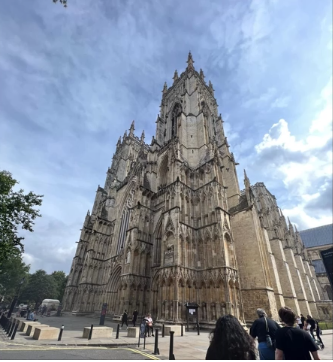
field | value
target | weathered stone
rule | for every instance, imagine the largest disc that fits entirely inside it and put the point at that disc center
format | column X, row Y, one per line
column 174, row 328
column 171, row 226
column 31, row 328
column 25, row 324
column 133, row 332
column 98, row 332
column 45, row 333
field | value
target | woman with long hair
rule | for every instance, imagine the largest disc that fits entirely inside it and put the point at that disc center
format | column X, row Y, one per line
column 230, row 341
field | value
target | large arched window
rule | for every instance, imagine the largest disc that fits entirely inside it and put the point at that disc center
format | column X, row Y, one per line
column 163, row 171
column 157, row 246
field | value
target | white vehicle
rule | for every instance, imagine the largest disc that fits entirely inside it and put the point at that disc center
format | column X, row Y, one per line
column 52, row 304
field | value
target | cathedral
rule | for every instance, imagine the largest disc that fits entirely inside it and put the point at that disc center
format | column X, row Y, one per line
column 171, row 226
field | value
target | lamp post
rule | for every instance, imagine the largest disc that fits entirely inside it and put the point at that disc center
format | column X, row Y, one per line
column 15, row 298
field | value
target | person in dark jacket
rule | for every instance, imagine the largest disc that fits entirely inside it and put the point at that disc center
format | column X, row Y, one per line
column 124, row 319
column 293, row 343
column 311, row 325
column 303, row 319
column 229, row 340
column 134, row 317
column 260, row 330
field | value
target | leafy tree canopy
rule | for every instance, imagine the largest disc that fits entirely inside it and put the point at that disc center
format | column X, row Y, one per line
column 12, row 271
column 16, row 211
column 40, row 286
column 61, row 281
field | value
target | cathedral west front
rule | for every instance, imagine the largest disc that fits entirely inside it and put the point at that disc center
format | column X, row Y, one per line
column 171, row 226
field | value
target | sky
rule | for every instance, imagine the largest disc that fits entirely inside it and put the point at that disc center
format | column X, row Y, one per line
column 72, row 80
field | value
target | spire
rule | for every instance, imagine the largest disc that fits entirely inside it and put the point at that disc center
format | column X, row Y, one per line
column 202, row 76
column 210, row 85
column 190, row 62
column 132, row 129
column 175, row 77
column 152, row 140
column 125, row 135
column 142, row 139
column 119, row 142
column 247, row 189
column 165, row 88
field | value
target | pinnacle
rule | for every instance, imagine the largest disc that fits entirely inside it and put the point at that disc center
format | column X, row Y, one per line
column 142, row 136
column 175, row 76
column 190, row 61
column 165, row 87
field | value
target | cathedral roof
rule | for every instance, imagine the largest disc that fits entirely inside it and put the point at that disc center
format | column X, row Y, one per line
column 318, row 236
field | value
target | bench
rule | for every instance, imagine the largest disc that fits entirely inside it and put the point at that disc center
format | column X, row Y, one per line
column 117, row 318
column 98, row 332
column 175, row 328
column 45, row 333
column 31, row 328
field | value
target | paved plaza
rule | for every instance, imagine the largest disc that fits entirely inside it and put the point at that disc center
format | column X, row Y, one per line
column 189, row 347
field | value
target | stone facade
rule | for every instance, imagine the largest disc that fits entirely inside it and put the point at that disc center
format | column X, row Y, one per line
column 171, row 226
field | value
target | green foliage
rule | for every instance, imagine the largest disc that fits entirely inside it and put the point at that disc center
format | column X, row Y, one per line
column 325, row 325
column 61, row 281
column 12, row 271
column 40, row 286
column 16, row 210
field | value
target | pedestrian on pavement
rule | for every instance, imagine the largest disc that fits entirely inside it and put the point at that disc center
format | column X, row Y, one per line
column 310, row 325
column 264, row 328
column 318, row 333
column 299, row 322
column 43, row 309
column 303, row 319
column 149, row 325
column 293, row 343
column 134, row 317
column 229, row 340
column 124, row 319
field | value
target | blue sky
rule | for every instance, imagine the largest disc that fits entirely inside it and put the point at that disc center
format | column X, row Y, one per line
column 72, row 81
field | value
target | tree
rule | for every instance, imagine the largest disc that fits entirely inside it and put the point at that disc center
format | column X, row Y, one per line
column 16, row 209
column 40, row 286
column 63, row 2
column 12, row 271
column 61, row 281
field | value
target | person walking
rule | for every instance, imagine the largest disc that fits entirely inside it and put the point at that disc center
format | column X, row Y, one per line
column 310, row 325
column 124, row 319
column 134, row 317
column 229, row 340
column 303, row 319
column 293, row 343
column 318, row 332
column 261, row 329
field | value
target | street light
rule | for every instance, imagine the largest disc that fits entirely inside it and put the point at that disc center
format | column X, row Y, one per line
column 15, row 298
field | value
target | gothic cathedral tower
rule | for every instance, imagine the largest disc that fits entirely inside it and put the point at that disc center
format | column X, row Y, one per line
column 171, row 226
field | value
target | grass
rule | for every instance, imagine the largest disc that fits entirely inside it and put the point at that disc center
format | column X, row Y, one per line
column 325, row 325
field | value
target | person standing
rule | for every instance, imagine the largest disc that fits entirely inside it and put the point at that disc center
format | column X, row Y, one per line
column 299, row 322
column 229, row 340
column 134, row 317
column 303, row 319
column 124, row 319
column 293, row 343
column 149, row 322
column 261, row 328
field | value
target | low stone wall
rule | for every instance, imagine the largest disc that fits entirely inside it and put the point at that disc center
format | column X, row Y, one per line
column 31, row 328
column 133, row 332
column 98, row 332
column 45, row 333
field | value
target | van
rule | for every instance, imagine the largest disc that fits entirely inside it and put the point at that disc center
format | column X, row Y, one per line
column 51, row 304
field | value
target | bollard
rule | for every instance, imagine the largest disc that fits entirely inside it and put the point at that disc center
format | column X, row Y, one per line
column 198, row 328
column 60, row 333
column 15, row 329
column 171, row 355
column 163, row 330
column 144, row 338
column 11, row 329
column 182, row 330
column 117, row 334
column 90, row 333
column 9, row 325
column 156, row 349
